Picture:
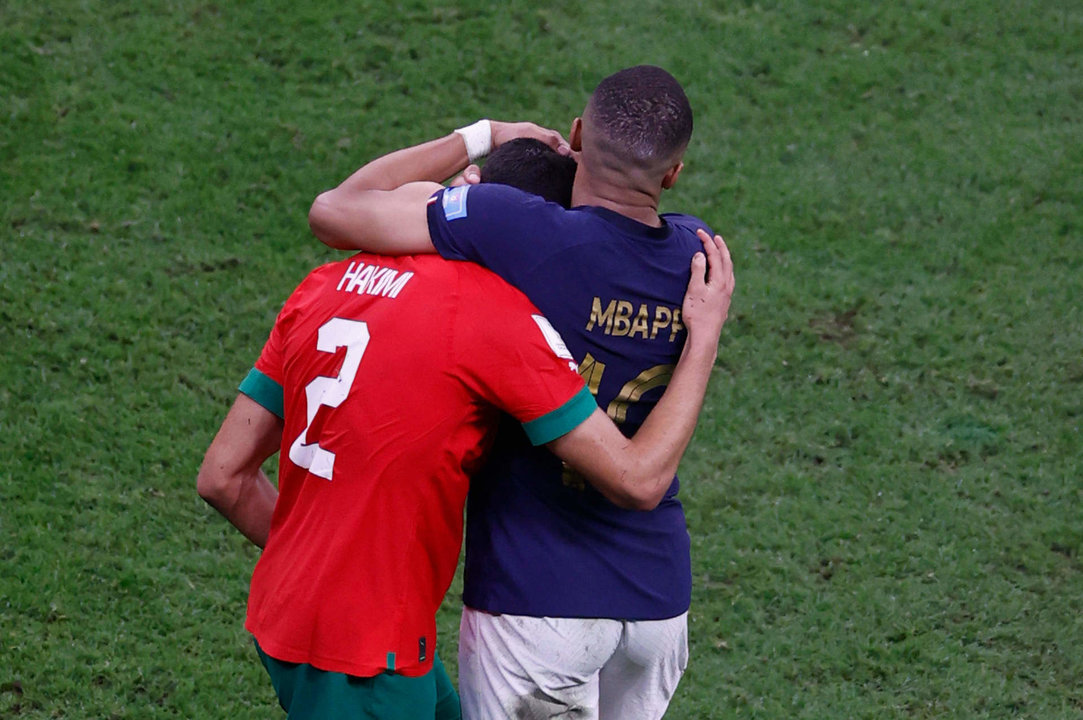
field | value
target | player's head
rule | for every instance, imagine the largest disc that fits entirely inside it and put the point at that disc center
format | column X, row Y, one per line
column 639, row 119
column 531, row 166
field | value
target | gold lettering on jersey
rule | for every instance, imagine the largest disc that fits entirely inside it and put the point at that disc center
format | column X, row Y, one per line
column 649, row 379
column 621, row 318
column 591, row 371
column 373, row 280
column 621, row 323
column 676, row 325
column 639, row 325
column 600, row 317
column 662, row 318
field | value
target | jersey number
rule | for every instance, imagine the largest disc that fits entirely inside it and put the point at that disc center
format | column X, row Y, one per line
column 330, row 391
column 591, row 371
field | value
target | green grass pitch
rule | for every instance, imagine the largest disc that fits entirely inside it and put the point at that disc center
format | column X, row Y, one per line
column 884, row 494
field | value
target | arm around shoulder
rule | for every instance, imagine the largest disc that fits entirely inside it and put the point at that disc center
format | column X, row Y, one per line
column 391, row 222
column 381, row 206
column 615, row 465
column 636, row 472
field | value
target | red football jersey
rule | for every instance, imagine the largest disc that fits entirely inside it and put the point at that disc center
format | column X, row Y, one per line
column 392, row 373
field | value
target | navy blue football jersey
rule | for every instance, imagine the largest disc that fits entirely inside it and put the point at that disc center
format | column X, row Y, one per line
column 540, row 541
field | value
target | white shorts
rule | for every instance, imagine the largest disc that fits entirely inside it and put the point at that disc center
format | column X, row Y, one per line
column 519, row 667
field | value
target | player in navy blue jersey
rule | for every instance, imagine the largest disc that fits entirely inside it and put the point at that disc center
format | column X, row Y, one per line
column 570, row 600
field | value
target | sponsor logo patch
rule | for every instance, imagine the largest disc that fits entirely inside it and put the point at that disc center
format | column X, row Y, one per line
column 455, row 202
column 556, row 342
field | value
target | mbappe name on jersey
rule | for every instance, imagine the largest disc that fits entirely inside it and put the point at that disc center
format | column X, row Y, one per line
column 621, row 318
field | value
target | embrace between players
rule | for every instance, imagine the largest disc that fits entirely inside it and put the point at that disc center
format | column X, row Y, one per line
column 396, row 382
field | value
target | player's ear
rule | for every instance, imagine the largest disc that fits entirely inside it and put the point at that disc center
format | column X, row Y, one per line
column 575, row 135
column 670, row 178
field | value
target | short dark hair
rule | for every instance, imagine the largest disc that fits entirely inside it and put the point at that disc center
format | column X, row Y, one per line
column 642, row 115
column 534, row 167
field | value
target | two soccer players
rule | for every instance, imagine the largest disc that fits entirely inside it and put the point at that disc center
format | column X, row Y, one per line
column 378, row 383
column 571, row 600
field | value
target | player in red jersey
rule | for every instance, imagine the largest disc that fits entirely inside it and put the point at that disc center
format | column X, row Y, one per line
column 569, row 600
column 380, row 383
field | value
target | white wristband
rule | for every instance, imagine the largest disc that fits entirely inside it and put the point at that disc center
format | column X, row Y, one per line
column 478, row 138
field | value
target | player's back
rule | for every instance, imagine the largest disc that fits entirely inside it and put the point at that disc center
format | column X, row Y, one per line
column 388, row 398
column 539, row 541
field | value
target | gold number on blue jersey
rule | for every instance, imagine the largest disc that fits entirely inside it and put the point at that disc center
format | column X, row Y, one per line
column 591, row 370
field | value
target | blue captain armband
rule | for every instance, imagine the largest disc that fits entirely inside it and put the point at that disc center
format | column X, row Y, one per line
column 563, row 420
column 264, row 391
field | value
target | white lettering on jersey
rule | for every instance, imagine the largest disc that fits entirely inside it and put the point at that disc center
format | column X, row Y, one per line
column 330, row 392
column 373, row 280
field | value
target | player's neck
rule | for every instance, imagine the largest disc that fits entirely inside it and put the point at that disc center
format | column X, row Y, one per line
column 638, row 204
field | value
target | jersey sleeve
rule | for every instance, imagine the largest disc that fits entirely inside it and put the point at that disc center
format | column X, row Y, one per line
column 264, row 390
column 496, row 226
column 511, row 357
column 562, row 420
column 265, row 380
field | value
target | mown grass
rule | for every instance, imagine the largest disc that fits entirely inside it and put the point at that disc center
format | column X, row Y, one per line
column 883, row 495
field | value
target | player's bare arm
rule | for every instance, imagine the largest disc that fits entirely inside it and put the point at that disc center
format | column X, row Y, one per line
column 231, row 479
column 636, row 472
column 381, row 207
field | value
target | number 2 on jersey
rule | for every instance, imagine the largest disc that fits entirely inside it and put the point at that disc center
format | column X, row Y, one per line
column 330, row 391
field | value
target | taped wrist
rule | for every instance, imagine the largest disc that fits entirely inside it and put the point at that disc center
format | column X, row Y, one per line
column 478, row 138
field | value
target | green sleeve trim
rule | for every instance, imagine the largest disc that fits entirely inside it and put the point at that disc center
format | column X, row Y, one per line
column 263, row 390
column 563, row 420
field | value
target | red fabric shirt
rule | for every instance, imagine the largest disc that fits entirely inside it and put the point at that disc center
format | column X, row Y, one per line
column 393, row 372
